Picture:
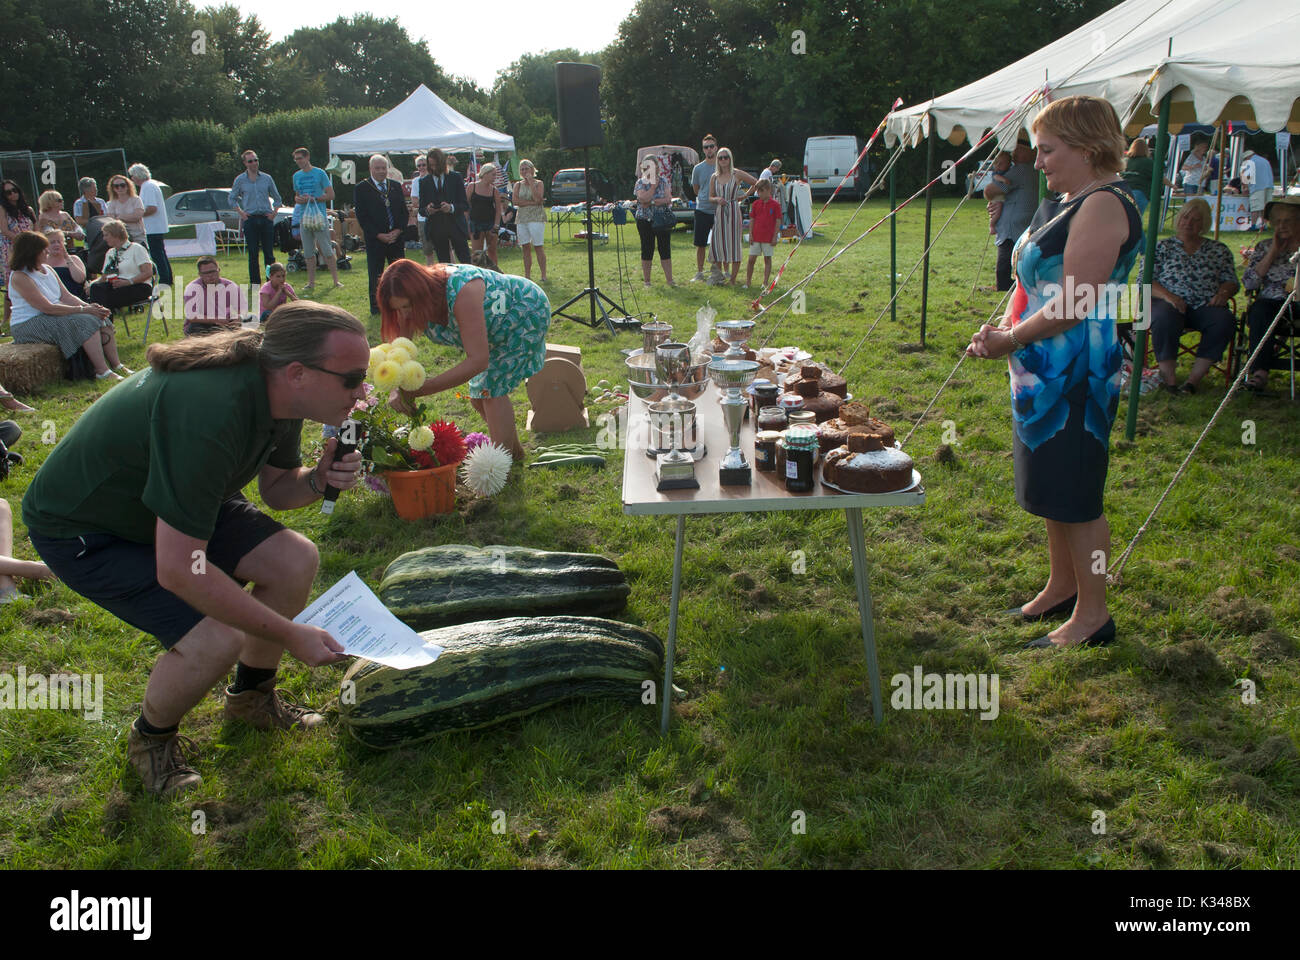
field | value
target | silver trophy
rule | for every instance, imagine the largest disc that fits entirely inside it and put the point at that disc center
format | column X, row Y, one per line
column 735, row 334
column 733, row 376
column 672, row 420
column 655, row 333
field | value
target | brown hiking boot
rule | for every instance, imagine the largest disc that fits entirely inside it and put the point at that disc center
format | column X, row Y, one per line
column 263, row 708
column 161, row 761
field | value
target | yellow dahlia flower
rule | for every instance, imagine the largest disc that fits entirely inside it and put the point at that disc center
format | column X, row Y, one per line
column 421, row 438
column 411, row 377
column 404, row 344
column 387, row 374
column 398, row 355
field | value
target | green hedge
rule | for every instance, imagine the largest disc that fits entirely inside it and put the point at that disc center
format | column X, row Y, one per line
column 187, row 154
column 276, row 135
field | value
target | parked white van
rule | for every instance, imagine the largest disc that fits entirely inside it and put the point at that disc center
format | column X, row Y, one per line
column 828, row 160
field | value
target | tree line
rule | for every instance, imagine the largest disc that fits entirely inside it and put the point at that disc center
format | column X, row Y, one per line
column 185, row 89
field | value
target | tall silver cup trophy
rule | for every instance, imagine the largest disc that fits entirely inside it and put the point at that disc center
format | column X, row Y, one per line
column 733, row 376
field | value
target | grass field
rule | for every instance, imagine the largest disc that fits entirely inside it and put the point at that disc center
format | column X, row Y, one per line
column 774, row 732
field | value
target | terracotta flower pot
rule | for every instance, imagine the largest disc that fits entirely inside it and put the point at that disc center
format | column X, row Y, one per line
column 423, row 493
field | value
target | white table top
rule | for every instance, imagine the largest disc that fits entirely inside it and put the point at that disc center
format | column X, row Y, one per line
column 766, row 493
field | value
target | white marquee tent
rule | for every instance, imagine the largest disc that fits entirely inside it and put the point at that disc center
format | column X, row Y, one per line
column 1220, row 59
column 421, row 121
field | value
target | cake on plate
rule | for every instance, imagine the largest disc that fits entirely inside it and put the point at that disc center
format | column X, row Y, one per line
column 827, row 379
column 866, row 465
column 825, row 405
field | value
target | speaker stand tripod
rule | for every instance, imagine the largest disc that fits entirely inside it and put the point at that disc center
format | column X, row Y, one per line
column 595, row 299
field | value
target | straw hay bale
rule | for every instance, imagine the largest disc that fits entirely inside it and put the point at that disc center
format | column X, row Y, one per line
column 24, row 367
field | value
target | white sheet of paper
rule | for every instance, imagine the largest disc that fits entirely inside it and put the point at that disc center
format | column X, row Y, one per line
column 356, row 618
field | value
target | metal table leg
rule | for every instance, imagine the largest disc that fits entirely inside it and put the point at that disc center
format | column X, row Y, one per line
column 671, row 649
column 858, row 544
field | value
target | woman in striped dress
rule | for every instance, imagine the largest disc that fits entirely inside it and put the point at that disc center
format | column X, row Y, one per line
column 724, row 191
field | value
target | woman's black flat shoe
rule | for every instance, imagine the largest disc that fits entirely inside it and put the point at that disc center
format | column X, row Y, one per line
column 1065, row 606
column 1104, row 635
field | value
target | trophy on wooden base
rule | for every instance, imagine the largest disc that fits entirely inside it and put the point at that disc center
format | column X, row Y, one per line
column 733, row 376
column 672, row 422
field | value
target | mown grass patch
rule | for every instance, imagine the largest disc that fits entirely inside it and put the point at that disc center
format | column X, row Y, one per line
column 775, row 720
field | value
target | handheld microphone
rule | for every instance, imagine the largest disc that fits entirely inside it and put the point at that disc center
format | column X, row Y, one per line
column 349, row 436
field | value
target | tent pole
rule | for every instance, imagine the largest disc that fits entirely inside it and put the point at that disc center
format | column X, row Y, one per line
column 1148, row 270
column 893, row 245
column 929, row 189
column 1218, row 193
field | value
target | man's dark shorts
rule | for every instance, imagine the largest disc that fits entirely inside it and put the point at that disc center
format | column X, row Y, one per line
column 122, row 576
column 703, row 224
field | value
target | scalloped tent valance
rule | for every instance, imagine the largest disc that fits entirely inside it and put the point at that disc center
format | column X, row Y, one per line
column 1220, row 59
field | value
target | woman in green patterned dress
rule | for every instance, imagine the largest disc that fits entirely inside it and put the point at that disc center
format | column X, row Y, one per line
column 499, row 320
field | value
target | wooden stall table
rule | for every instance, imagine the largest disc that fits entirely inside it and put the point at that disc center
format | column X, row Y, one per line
column 766, row 493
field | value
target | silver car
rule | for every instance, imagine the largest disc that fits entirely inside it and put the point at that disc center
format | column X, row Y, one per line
column 207, row 205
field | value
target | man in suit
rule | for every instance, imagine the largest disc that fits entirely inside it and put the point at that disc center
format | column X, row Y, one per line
column 445, row 207
column 381, row 214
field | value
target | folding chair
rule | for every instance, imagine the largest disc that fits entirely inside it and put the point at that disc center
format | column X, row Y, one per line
column 1285, row 340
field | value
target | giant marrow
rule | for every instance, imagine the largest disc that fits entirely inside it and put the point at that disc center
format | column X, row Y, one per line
column 494, row 670
column 455, row 583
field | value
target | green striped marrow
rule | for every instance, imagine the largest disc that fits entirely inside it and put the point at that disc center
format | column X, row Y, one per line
column 495, row 670
column 455, row 583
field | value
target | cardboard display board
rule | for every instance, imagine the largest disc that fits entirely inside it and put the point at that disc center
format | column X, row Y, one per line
column 557, row 394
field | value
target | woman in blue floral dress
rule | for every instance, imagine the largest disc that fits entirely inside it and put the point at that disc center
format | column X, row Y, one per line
column 498, row 319
column 1059, row 336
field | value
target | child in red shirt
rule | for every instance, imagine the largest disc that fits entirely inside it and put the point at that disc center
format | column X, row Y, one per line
column 764, row 220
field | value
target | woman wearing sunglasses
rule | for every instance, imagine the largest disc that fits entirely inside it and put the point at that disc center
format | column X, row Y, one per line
column 16, row 215
column 125, row 205
column 499, row 320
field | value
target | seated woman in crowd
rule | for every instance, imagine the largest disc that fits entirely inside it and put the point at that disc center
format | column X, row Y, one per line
column 53, row 216
column 1270, row 265
column 11, row 568
column 16, row 215
column 1194, row 280
column 128, row 271
column 125, row 204
column 69, row 266
column 9, row 402
column 88, row 204
column 45, row 312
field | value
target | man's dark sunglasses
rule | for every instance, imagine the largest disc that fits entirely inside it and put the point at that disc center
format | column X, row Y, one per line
column 350, row 380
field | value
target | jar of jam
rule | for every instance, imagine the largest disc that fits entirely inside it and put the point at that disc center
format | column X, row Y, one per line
column 802, row 418
column 772, row 418
column 790, row 401
column 764, row 394
column 765, row 449
column 800, row 456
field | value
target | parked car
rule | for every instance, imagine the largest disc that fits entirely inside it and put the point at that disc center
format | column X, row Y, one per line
column 207, row 205
column 827, row 162
column 567, row 186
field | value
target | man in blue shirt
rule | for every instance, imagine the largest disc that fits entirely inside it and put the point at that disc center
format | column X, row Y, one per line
column 251, row 195
column 1017, row 203
column 312, row 194
column 704, row 207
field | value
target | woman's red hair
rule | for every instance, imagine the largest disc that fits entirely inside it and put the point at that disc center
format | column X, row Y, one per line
column 424, row 288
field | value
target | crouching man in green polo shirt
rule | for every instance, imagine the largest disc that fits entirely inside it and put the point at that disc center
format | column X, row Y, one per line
column 139, row 510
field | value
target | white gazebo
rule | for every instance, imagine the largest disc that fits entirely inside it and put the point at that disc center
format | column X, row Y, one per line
column 421, row 121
